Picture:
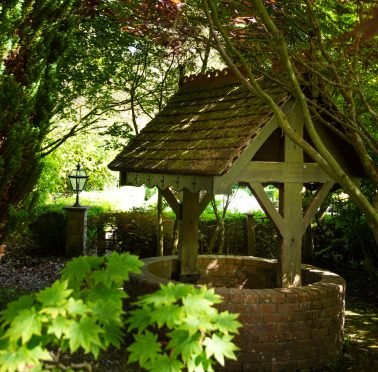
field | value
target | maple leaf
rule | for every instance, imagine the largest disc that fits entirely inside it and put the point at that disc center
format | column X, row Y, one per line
column 107, row 311
column 80, row 268
column 59, row 326
column 12, row 310
column 145, row 348
column 26, row 324
column 166, row 364
column 56, row 295
column 197, row 303
column 227, row 323
column 117, row 270
column 85, row 333
column 23, row 358
column 139, row 319
column 77, row 307
column 169, row 315
column 113, row 334
column 167, row 294
column 220, row 347
column 54, row 298
column 185, row 344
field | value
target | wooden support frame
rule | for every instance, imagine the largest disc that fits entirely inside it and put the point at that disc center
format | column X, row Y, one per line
column 315, row 203
column 187, row 211
column 258, row 191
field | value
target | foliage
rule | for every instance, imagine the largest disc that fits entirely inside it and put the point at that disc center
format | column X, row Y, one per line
column 81, row 311
column 342, row 237
column 34, row 43
column 311, row 50
column 178, row 327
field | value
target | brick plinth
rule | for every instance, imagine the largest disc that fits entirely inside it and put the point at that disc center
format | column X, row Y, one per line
column 283, row 329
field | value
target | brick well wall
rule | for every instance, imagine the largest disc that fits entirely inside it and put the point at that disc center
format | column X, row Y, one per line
column 283, row 329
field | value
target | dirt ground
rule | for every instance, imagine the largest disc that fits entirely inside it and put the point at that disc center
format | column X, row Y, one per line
column 18, row 276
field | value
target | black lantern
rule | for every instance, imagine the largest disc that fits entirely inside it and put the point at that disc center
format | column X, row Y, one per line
column 78, row 179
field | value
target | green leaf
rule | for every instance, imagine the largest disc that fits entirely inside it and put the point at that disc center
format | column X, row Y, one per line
column 23, row 359
column 85, row 334
column 200, row 364
column 220, row 347
column 114, row 295
column 107, row 311
column 139, row 319
column 12, row 310
column 77, row 307
column 227, row 323
column 198, row 322
column 144, row 348
column 167, row 315
column 167, row 294
column 80, row 268
column 54, row 298
column 59, row 326
column 196, row 303
column 164, row 363
column 26, row 324
column 112, row 334
column 117, row 270
column 185, row 344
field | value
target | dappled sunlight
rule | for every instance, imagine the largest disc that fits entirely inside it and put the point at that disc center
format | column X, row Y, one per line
column 362, row 328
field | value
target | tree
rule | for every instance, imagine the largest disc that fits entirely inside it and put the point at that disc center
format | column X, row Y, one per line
column 336, row 88
column 34, row 46
column 72, row 63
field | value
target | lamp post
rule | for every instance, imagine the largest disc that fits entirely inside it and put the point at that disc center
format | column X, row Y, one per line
column 78, row 178
column 76, row 216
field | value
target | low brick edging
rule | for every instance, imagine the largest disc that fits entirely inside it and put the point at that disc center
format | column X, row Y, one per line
column 283, row 328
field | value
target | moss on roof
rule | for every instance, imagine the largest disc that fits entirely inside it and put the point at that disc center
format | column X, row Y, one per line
column 202, row 130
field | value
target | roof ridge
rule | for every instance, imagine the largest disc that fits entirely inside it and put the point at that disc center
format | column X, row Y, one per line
column 217, row 78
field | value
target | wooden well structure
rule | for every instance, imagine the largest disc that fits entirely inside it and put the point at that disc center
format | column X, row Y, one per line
column 213, row 134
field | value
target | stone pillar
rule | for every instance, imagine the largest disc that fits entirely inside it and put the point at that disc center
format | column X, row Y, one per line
column 76, row 231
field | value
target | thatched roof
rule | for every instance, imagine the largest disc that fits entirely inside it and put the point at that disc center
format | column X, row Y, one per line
column 202, row 130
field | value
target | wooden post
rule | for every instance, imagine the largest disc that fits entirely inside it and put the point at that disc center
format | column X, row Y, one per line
column 188, row 233
column 251, row 236
column 160, row 230
column 289, row 259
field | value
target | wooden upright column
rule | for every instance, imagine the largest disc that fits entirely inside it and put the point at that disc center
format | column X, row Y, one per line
column 188, row 233
column 289, row 258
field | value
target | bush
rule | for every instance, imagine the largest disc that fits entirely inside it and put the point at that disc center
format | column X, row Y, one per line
column 83, row 312
column 179, row 327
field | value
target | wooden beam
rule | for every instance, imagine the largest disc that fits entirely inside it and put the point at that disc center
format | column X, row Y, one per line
column 174, row 181
column 263, row 171
column 314, row 205
column 268, row 207
column 204, row 202
column 172, row 201
column 222, row 184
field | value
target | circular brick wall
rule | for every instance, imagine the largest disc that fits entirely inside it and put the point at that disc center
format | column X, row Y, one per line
column 283, row 329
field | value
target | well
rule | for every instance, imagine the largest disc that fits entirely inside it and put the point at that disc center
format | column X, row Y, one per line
column 283, row 328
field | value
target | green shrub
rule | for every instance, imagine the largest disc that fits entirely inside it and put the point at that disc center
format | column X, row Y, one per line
column 83, row 312
column 194, row 331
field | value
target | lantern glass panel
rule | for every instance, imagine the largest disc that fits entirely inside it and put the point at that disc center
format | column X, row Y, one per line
column 78, row 179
